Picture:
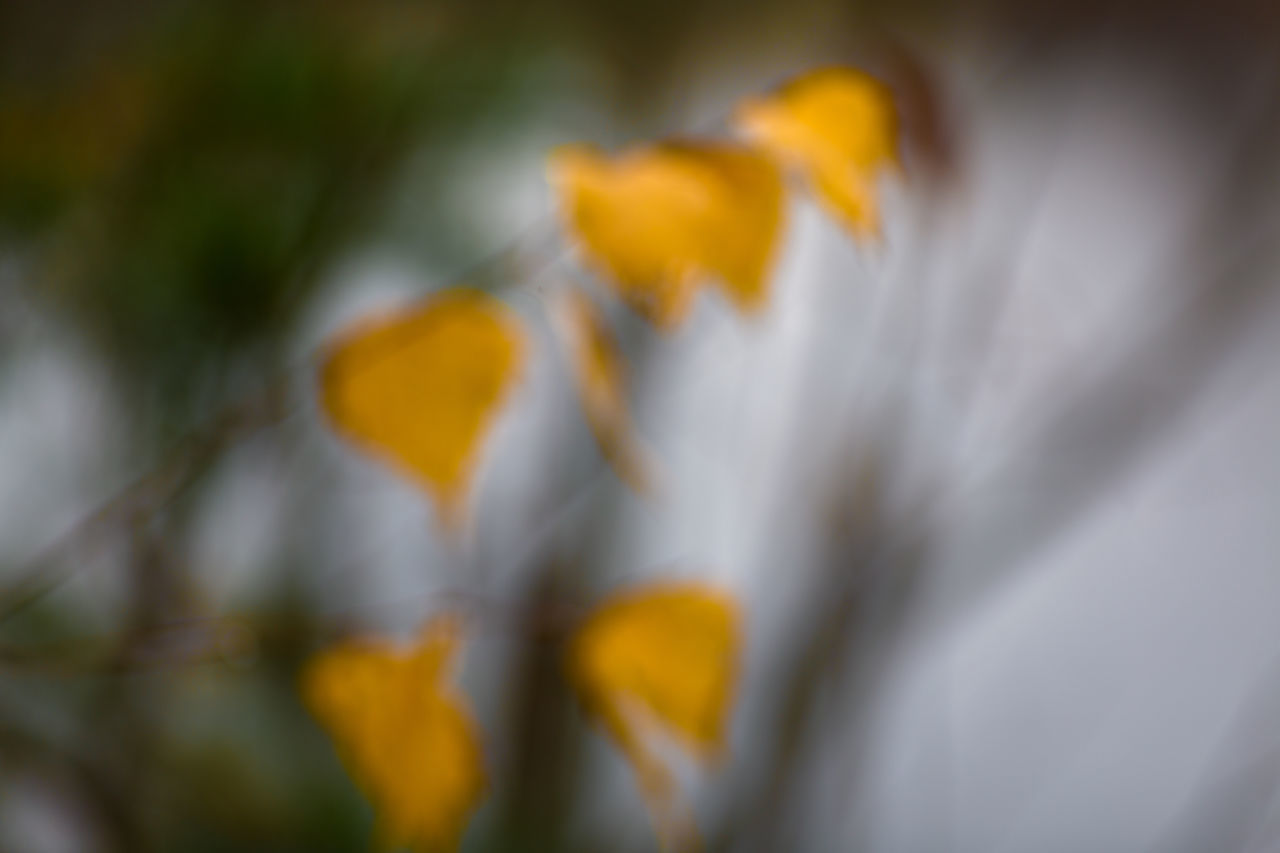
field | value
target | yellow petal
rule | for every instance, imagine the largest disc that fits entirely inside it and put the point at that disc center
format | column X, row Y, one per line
column 600, row 377
column 421, row 388
column 659, row 221
column 403, row 733
column 839, row 128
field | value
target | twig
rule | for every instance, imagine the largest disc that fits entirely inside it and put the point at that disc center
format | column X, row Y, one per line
column 140, row 499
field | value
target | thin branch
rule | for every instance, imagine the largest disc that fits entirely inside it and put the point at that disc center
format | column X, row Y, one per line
column 141, row 499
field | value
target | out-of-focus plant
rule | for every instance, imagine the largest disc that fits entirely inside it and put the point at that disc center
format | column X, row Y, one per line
column 182, row 189
column 421, row 388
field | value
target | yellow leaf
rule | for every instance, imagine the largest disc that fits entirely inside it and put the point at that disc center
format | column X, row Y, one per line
column 600, row 376
column 839, row 128
column 403, row 733
column 667, row 654
column 667, row 650
column 421, row 388
column 661, row 220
